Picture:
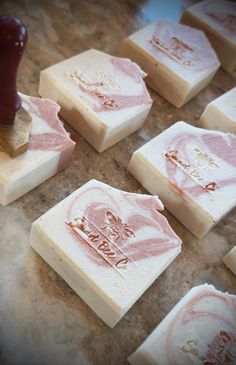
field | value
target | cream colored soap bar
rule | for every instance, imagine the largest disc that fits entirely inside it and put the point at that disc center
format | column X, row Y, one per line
column 49, row 151
column 217, row 18
column 193, row 171
column 200, row 330
column 230, row 260
column 179, row 60
column 108, row 245
column 220, row 114
column 103, row 97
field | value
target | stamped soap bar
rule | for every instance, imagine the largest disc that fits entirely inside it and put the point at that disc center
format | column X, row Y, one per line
column 103, row 97
column 230, row 260
column 179, row 60
column 49, row 151
column 108, row 245
column 200, row 329
column 193, row 170
column 220, row 114
column 217, row 18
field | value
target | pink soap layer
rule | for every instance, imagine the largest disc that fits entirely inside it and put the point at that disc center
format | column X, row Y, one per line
column 120, row 227
column 55, row 138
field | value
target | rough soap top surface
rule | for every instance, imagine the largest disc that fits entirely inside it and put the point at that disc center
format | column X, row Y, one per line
column 199, row 163
column 219, row 15
column 115, row 237
column 111, row 87
column 185, row 50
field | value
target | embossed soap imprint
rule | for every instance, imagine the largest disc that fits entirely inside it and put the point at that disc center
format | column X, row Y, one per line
column 203, row 159
column 199, row 147
column 92, row 88
column 222, row 346
column 116, row 228
column 112, row 254
column 194, row 169
column 222, row 350
column 107, row 81
column 226, row 20
column 177, row 49
column 123, row 232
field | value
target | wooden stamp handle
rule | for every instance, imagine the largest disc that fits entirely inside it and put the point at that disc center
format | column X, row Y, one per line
column 13, row 39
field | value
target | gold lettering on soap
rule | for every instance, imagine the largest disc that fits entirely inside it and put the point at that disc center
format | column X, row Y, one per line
column 196, row 169
column 222, row 350
column 114, row 228
column 92, row 88
column 177, row 49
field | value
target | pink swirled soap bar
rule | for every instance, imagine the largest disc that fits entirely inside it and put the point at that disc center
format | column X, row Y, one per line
column 200, row 330
column 108, row 245
column 49, row 151
column 217, row 18
column 193, row 170
column 179, row 60
column 103, row 97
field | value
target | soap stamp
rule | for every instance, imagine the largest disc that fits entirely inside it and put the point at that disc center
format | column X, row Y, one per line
column 176, row 50
column 99, row 239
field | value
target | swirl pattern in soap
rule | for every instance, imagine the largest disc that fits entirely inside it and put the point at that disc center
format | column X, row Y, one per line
column 117, row 227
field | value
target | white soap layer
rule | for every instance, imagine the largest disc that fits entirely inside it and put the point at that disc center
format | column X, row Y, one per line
column 108, row 245
column 49, row 151
column 200, row 329
column 179, row 60
column 103, row 97
column 230, row 260
column 220, row 114
column 217, row 18
column 193, row 171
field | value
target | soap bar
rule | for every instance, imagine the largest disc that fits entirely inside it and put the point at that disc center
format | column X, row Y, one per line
column 217, row 18
column 103, row 97
column 230, row 260
column 220, row 114
column 179, row 60
column 49, row 151
column 108, row 245
column 200, row 329
column 193, row 171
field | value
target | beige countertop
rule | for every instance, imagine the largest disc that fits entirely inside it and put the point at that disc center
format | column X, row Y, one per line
column 42, row 321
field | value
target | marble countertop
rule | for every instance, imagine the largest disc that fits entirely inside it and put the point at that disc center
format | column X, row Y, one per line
column 42, row 321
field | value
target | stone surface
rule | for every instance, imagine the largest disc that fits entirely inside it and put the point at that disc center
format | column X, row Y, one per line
column 42, row 321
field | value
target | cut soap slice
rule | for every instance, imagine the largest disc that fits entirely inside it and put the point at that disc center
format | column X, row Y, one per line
column 200, row 329
column 179, row 60
column 193, row 170
column 217, row 18
column 108, row 245
column 49, row 151
column 103, row 97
